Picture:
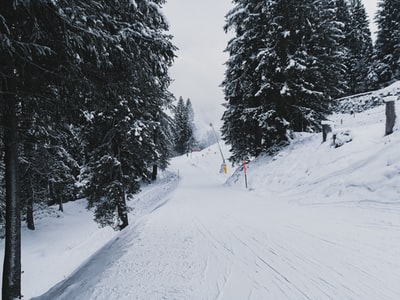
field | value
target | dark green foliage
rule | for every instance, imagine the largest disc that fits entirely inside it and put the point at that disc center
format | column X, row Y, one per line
column 286, row 64
column 125, row 115
column 184, row 128
column 360, row 75
column 91, row 82
column 243, row 78
column 388, row 41
column 48, row 170
column 18, row 29
column 191, row 124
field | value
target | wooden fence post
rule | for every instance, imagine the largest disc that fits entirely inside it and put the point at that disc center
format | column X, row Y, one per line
column 390, row 113
column 327, row 127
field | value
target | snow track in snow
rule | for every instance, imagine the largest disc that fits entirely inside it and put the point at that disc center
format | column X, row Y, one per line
column 294, row 235
column 220, row 243
column 85, row 282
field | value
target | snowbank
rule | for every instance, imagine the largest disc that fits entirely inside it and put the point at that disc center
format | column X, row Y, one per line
column 365, row 169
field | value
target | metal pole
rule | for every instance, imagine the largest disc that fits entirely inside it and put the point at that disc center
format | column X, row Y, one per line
column 219, row 146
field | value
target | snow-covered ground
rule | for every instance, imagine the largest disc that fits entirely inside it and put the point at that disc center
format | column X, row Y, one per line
column 316, row 222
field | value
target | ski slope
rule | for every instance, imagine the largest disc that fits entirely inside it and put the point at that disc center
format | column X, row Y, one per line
column 317, row 222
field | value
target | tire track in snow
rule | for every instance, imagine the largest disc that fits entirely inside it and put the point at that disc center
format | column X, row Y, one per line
column 238, row 259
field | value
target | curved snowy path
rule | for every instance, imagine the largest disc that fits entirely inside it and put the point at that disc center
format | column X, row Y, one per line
column 214, row 242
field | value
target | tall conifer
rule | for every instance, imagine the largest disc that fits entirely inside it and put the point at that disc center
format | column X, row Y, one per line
column 361, row 54
column 286, row 64
column 388, row 40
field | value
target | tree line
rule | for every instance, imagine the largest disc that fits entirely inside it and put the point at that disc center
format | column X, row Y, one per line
column 84, row 110
column 289, row 60
column 184, row 137
column 84, row 94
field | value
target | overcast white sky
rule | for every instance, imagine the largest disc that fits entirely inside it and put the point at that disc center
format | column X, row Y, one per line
column 197, row 27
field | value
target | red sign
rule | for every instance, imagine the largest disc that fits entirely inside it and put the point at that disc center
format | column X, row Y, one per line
column 244, row 166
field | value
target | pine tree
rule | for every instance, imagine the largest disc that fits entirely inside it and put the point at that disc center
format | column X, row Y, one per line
column 48, row 171
column 42, row 64
column 361, row 54
column 330, row 52
column 183, row 131
column 191, row 124
column 24, row 47
column 17, row 47
column 388, row 40
column 127, row 108
column 61, row 58
column 343, row 19
column 241, row 128
column 163, row 140
column 286, row 64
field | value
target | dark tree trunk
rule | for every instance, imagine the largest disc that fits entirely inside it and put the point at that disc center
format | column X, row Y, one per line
column 60, row 204
column 123, row 212
column 30, row 222
column 154, row 173
column 27, row 198
column 11, row 288
column 29, row 208
column 121, row 204
column 258, row 139
column 155, row 167
column 256, row 102
column 51, row 194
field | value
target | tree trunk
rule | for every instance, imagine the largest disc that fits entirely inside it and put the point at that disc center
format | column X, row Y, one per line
column 155, row 167
column 30, row 221
column 123, row 212
column 60, row 203
column 121, row 204
column 154, row 173
column 29, row 208
column 11, row 288
column 52, row 196
column 258, row 140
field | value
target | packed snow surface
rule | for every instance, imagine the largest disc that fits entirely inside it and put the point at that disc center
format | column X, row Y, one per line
column 316, row 222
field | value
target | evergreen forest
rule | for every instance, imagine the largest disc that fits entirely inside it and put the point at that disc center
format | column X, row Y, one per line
column 86, row 110
column 290, row 60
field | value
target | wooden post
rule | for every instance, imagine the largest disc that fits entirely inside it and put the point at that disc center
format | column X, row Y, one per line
column 334, row 135
column 326, row 128
column 390, row 113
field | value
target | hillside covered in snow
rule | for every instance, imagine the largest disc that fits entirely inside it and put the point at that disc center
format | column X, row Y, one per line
column 364, row 170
